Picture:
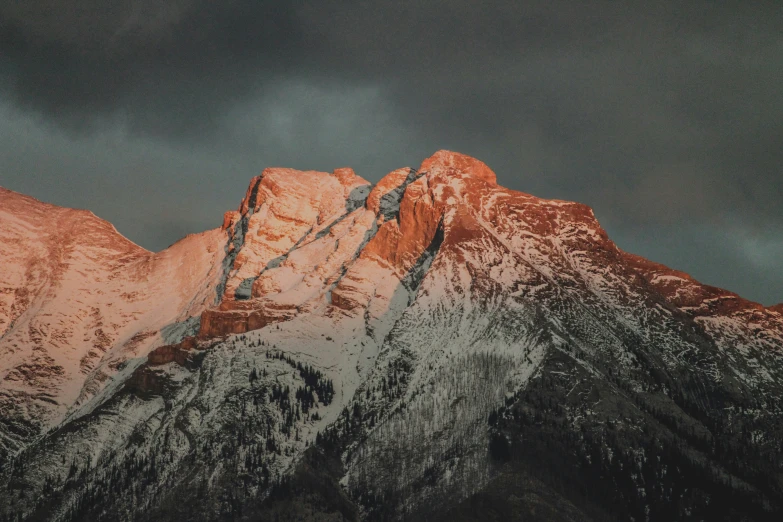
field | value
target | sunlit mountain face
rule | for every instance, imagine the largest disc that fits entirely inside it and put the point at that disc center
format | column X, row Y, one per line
column 433, row 346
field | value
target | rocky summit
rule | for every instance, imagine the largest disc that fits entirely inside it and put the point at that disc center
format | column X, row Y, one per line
column 431, row 347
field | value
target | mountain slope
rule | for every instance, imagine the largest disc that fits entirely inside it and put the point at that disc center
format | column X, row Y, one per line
column 435, row 346
column 78, row 300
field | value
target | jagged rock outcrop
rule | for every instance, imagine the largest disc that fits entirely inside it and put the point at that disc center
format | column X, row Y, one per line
column 292, row 235
column 177, row 353
column 421, row 349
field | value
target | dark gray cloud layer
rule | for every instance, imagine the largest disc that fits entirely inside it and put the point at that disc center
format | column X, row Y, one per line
column 666, row 118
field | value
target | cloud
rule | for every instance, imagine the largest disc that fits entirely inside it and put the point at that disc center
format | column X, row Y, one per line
column 167, row 69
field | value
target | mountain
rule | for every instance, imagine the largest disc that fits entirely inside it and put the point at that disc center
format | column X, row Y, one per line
column 77, row 301
column 431, row 347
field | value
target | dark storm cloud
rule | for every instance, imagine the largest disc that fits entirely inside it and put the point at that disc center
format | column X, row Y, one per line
column 666, row 118
column 166, row 67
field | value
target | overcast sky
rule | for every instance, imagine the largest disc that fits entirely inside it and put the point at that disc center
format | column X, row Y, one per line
column 665, row 117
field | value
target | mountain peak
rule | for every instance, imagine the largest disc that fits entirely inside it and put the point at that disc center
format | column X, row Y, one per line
column 471, row 331
column 446, row 159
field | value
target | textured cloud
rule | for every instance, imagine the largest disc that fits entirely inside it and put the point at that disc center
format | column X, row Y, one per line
column 662, row 116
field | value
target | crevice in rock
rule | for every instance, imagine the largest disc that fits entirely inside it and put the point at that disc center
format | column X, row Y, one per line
column 325, row 231
column 243, row 291
column 254, row 196
column 389, row 205
column 356, row 199
column 236, row 240
column 368, row 235
column 415, row 275
column 175, row 332
column 413, row 279
column 279, row 260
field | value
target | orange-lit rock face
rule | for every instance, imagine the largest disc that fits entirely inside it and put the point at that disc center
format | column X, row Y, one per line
column 448, row 180
column 173, row 352
column 294, row 233
column 230, row 219
column 390, row 182
column 399, row 242
column 282, row 209
column 444, row 159
column 219, row 322
column 77, row 299
column 294, row 258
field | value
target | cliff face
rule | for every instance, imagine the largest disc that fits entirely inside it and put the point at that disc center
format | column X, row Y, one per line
column 429, row 347
column 292, row 235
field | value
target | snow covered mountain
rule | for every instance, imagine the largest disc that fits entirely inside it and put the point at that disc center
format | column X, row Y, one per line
column 77, row 300
column 434, row 346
